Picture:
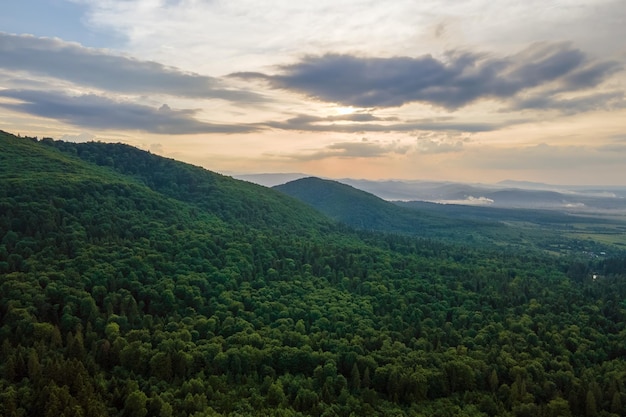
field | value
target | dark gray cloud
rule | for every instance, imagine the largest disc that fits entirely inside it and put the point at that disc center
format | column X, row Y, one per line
column 347, row 150
column 97, row 112
column 618, row 138
column 356, row 123
column 591, row 102
column 618, row 148
column 101, row 69
column 457, row 80
column 590, row 75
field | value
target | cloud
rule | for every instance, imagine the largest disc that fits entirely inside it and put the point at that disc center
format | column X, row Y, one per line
column 97, row 112
column 437, row 142
column 430, row 146
column 590, row 102
column 355, row 123
column 243, row 36
column 590, row 75
column 617, row 148
column 469, row 201
column 548, row 158
column 347, row 150
column 452, row 82
column 102, row 69
column 79, row 138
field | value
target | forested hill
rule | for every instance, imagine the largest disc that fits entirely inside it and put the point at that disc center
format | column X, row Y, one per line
column 365, row 211
column 227, row 198
column 128, row 292
column 348, row 204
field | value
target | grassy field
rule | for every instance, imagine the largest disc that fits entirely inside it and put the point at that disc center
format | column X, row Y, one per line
column 592, row 235
column 589, row 234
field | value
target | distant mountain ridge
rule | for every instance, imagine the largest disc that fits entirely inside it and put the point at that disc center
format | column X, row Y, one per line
column 578, row 199
column 505, row 194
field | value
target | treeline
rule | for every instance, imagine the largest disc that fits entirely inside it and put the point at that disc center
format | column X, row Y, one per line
column 120, row 300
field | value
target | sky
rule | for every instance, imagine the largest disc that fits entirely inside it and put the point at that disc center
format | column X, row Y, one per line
column 451, row 90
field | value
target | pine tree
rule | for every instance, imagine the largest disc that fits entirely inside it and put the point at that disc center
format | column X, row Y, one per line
column 366, row 378
column 590, row 405
column 355, row 378
column 494, row 383
column 616, row 404
column 34, row 368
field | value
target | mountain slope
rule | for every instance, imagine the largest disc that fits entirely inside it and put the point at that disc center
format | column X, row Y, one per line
column 227, row 198
column 341, row 202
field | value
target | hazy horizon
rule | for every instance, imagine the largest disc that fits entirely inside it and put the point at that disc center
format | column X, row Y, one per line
column 478, row 92
column 505, row 182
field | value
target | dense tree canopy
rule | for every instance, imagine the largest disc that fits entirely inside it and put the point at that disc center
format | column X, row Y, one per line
column 132, row 285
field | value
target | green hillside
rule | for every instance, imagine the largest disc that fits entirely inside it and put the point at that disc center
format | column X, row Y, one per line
column 365, row 211
column 227, row 198
column 134, row 285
